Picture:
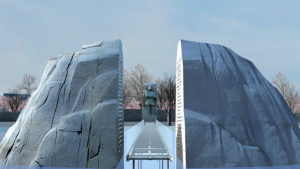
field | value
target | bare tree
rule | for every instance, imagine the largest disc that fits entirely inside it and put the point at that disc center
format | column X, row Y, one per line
column 27, row 84
column 136, row 78
column 167, row 94
column 288, row 91
column 12, row 103
column 3, row 104
column 127, row 98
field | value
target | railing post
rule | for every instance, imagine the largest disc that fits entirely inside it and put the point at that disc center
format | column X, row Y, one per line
column 133, row 164
column 167, row 164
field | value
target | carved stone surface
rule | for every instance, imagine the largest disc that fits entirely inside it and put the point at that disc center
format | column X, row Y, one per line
column 75, row 117
column 228, row 114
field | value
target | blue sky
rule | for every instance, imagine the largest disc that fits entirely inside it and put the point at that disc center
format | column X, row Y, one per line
column 267, row 32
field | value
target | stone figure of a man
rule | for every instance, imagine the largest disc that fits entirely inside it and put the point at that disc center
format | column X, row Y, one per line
column 149, row 102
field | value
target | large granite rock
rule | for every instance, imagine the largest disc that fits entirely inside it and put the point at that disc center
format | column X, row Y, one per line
column 75, row 117
column 228, row 114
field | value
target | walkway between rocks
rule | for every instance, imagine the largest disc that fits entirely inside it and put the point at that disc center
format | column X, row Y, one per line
column 149, row 145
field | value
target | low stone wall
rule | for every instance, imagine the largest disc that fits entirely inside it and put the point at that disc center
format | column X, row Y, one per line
column 9, row 116
column 297, row 116
column 162, row 115
column 130, row 115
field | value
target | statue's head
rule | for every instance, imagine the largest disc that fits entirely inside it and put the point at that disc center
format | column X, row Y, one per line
column 149, row 88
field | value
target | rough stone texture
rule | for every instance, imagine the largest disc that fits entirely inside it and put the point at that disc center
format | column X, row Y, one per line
column 228, row 114
column 75, row 117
